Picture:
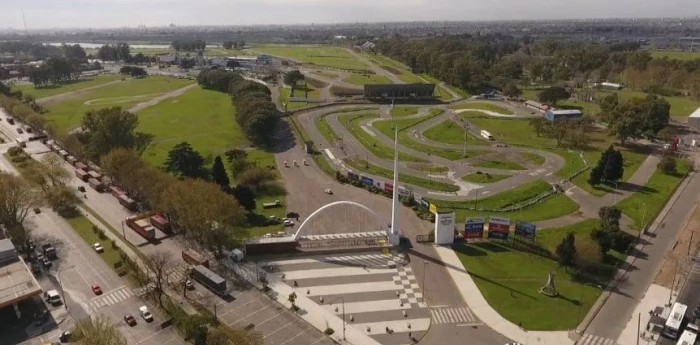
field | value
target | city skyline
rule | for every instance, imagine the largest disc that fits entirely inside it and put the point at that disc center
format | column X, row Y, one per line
column 44, row 14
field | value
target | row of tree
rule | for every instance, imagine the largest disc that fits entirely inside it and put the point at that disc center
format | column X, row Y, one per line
column 255, row 112
column 116, row 52
column 234, row 44
column 636, row 117
column 54, row 71
column 136, row 72
column 569, row 133
column 189, row 45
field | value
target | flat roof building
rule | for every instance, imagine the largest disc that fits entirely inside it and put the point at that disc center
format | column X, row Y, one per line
column 399, row 91
column 556, row 114
column 17, row 283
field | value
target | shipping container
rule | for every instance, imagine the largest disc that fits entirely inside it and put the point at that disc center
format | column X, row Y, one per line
column 161, row 223
column 209, row 279
column 127, row 202
column 80, row 165
column 142, row 227
column 82, row 174
column 116, row 191
column 95, row 174
column 193, row 257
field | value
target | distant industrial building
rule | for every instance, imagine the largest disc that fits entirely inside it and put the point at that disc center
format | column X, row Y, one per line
column 557, row 114
column 250, row 62
column 694, row 119
column 399, row 92
column 606, row 85
column 17, row 283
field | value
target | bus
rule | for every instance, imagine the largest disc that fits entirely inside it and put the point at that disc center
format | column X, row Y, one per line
column 672, row 328
column 689, row 335
column 486, row 135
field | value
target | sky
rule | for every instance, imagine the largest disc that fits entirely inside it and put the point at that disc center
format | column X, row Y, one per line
column 121, row 13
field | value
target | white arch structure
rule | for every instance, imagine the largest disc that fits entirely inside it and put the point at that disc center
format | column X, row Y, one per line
column 311, row 216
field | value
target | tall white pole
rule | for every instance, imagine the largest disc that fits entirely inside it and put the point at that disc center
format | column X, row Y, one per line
column 394, row 236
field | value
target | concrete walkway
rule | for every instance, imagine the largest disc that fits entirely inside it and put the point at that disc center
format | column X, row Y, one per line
column 472, row 296
column 655, row 296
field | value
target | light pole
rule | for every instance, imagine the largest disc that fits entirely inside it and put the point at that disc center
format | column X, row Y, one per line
column 60, row 286
column 425, row 290
column 644, row 216
column 342, row 299
column 123, row 232
column 465, row 141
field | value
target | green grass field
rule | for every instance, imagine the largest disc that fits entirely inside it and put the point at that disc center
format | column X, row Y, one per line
column 510, row 280
column 533, row 158
column 552, row 207
column 659, row 54
column 643, row 206
column 413, row 180
column 386, row 127
column 38, row 93
column 83, row 227
column 333, row 57
column 67, row 114
column 549, row 239
column 352, row 123
column 299, row 91
column 484, row 178
column 400, row 111
column 494, row 164
column 450, row 132
column 395, row 67
column 361, row 79
column 482, row 106
column 326, row 74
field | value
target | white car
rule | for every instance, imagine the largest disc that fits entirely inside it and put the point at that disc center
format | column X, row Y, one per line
column 98, row 247
column 288, row 222
column 145, row 314
column 328, row 191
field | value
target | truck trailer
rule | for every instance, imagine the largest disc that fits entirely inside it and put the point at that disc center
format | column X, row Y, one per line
column 193, row 257
column 142, row 227
column 209, row 279
column 161, row 223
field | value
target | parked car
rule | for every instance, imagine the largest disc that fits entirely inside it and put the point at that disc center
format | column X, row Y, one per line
column 288, row 222
column 96, row 289
column 328, row 191
column 98, row 247
column 145, row 314
column 189, row 285
column 19, row 130
column 130, row 320
column 65, row 337
column 47, row 263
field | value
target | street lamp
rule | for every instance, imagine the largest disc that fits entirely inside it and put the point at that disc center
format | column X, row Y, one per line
column 60, row 286
column 644, row 216
column 123, row 232
column 425, row 290
column 342, row 298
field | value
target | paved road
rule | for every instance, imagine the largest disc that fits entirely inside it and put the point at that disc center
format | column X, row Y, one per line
column 622, row 301
column 688, row 296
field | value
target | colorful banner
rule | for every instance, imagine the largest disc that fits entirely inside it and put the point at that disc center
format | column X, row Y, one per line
column 499, row 227
column 389, row 187
column 526, row 230
column 367, row 181
column 433, row 209
column 474, row 228
column 424, row 203
column 379, row 184
column 353, row 176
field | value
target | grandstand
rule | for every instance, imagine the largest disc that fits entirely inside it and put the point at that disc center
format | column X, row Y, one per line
column 399, row 92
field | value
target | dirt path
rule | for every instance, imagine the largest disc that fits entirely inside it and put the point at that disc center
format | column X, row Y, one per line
column 62, row 96
column 154, row 101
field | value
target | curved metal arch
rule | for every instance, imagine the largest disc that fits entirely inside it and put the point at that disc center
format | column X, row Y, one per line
column 301, row 227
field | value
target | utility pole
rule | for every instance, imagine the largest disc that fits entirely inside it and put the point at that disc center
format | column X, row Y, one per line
column 465, row 142
column 639, row 324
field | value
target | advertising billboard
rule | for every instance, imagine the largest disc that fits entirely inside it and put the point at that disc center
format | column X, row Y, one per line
column 367, row 181
column 353, row 176
column 526, row 230
column 499, row 227
column 424, row 203
column 389, row 187
column 404, row 192
column 445, row 228
column 474, row 228
column 433, row 209
column 379, row 184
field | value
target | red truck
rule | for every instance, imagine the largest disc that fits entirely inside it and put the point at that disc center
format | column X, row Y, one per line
column 192, row 257
column 82, row 174
column 96, row 184
column 142, row 227
column 127, row 202
column 80, row 165
column 161, row 223
column 116, row 191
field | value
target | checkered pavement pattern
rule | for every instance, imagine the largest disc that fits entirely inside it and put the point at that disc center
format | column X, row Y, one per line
column 590, row 339
column 407, row 282
column 370, row 260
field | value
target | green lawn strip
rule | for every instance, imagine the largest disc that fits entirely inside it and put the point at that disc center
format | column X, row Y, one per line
column 42, row 92
column 482, row 106
column 360, row 79
column 533, row 158
column 399, row 111
column 685, row 56
column 326, row 130
column 362, row 165
column 259, row 226
column 484, row 178
column 333, row 57
column 83, row 227
column 410, row 78
column 510, row 279
column 352, row 123
column 429, row 168
column 326, row 74
column 67, row 114
column 450, row 132
column 505, row 165
column 456, row 90
column 319, row 157
column 643, row 206
column 632, row 161
column 301, row 92
column 387, row 126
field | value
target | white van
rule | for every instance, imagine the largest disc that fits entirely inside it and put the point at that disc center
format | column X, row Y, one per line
column 52, row 297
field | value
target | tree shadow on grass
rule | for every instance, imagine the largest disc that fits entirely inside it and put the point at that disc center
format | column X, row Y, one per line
column 492, row 247
column 631, row 187
column 283, row 139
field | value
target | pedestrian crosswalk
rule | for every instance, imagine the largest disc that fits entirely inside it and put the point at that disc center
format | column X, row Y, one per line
column 368, row 260
column 177, row 274
column 110, row 298
column 452, row 315
column 590, row 339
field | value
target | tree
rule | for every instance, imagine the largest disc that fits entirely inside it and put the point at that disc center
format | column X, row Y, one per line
column 292, row 77
column 588, row 253
column 596, row 176
column 668, row 165
column 610, row 217
column 159, row 263
column 614, row 167
column 553, row 94
column 63, row 200
column 540, row 125
column 636, row 117
column 97, row 331
column 511, row 90
column 183, row 161
column 219, row 174
column 18, row 198
column 566, row 251
column 136, row 72
column 237, row 159
column 110, row 128
column 228, row 44
column 255, row 177
column 245, row 197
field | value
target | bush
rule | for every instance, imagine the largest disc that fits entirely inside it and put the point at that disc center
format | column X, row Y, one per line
column 19, row 159
column 668, row 165
column 14, row 151
column 328, row 331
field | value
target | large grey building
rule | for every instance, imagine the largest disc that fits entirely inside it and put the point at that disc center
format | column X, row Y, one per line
column 694, row 119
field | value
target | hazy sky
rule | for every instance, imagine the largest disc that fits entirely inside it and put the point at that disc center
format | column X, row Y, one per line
column 114, row 13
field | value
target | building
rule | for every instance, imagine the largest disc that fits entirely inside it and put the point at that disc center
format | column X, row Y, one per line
column 607, row 85
column 16, row 280
column 406, row 92
column 542, row 108
column 694, row 119
column 556, row 114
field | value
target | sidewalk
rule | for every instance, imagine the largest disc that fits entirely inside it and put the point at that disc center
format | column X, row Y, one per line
column 655, row 296
column 472, row 296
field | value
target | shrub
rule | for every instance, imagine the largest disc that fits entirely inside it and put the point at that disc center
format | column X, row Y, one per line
column 328, row 331
column 668, row 165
